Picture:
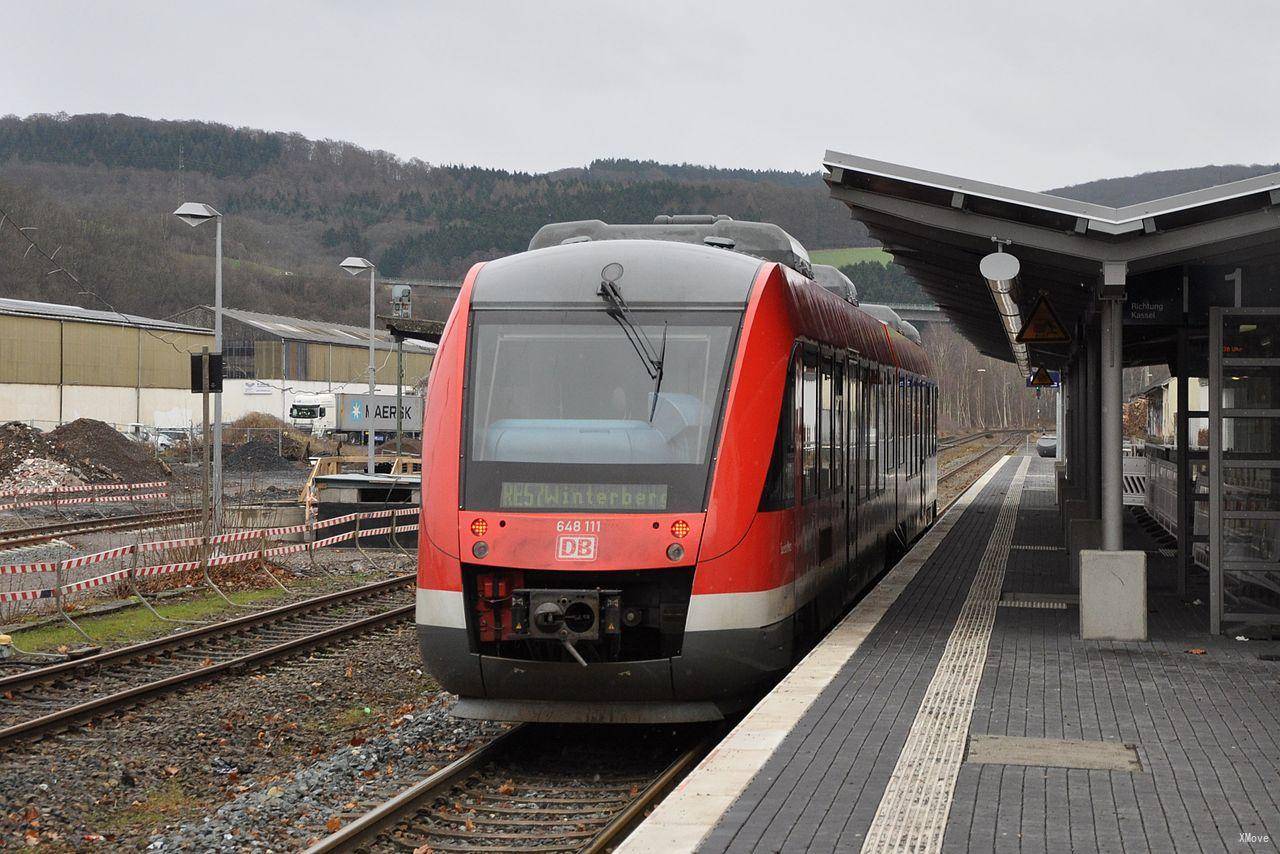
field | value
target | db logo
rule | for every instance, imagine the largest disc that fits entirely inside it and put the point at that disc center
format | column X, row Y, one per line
column 576, row 548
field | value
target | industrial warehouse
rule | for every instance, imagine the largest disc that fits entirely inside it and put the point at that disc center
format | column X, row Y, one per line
column 62, row 362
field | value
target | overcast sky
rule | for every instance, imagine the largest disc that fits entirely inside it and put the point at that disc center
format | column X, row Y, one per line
column 1027, row 93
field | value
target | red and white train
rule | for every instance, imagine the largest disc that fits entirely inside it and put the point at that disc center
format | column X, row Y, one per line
column 663, row 460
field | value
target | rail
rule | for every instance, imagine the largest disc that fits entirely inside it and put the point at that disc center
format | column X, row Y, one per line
column 545, row 787
column 36, row 534
column 52, row 697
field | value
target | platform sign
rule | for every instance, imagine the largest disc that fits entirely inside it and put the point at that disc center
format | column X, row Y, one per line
column 1043, row 378
column 1042, row 325
column 359, row 412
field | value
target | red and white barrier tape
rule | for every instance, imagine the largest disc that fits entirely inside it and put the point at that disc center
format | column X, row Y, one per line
column 25, row 595
column 90, row 583
column 91, row 499
column 161, row 545
column 291, row 548
column 167, row 568
column 97, row 557
column 337, row 520
column 185, row 566
column 23, row 568
column 86, row 487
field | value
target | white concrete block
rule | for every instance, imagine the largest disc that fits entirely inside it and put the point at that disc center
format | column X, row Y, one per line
column 1113, row 595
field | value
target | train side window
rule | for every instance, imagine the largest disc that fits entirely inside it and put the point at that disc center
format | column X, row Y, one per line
column 809, row 426
column 909, row 424
column 933, row 426
column 837, row 425
column 886, row 427
column 825, row 433
column 877, row 425
column 854, row 400
column 891, row 421
column 871, row 429
column 780, row 483
column 916, row 431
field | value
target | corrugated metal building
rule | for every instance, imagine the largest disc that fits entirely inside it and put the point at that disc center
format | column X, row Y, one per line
column 62, row 362
column 322, row 354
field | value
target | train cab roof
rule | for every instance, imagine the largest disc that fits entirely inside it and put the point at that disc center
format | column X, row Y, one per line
column 758, row 239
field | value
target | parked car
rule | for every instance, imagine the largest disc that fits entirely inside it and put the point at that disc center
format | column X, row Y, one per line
column 1047, row 445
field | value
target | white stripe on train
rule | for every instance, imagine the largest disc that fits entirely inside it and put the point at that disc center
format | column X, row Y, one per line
column 707, row 611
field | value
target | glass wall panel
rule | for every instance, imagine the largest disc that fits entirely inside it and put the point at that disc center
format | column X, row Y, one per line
column 1250, row 436
column 1251, row 337
column 1250, row 488
column 1255, row 592
column 1251, row 539
column 1251, row 388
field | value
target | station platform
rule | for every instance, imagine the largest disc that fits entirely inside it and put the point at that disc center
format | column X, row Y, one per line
column 956, row 708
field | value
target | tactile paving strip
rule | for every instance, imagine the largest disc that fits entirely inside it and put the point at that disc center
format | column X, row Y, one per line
column 913, row 811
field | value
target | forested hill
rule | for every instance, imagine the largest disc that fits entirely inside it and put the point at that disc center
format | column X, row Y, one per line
column 1118, row 192
column 102, row 187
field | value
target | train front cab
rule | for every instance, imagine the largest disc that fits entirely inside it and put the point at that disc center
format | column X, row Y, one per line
column 798, row 521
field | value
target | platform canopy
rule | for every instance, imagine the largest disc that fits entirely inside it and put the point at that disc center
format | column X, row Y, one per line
column 939, row 227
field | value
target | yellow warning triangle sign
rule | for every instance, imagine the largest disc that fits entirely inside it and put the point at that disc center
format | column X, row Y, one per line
column 1043, row 326
column 1041, row 377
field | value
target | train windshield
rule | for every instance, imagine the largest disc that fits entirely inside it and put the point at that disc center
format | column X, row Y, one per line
column 587, row 410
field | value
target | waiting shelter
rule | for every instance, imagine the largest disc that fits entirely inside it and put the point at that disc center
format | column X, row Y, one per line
column 1083, row 290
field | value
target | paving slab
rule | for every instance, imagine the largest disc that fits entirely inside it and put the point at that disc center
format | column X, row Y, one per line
column 1189, row 722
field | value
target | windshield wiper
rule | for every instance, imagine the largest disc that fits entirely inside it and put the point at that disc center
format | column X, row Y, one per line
column 621, row 312
column 657, row 381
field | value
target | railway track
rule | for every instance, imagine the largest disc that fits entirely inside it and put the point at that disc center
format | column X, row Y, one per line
column 535, row 788
column 18, row 537
column 47, row 699
column 1010, row 440
column 550, row 788
column 950, row 477
column 956, row 441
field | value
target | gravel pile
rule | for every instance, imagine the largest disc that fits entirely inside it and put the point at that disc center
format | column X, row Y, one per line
column 37, row 473
column 22, row 447
column 256, row 455
column 88, row 442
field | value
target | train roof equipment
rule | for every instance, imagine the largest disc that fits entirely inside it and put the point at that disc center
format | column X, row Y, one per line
column 760, row 239
column 885, row 315
column 835, row 281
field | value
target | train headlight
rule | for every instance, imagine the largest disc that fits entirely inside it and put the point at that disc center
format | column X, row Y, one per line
column 679, row 529
column 675, row 551
column 480, row 549
column 479, row 527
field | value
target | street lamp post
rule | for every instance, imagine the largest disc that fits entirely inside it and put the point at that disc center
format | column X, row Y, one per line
column 355, row 266
column 193, row 214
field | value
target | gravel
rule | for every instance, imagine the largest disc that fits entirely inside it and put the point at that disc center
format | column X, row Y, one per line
column 268, row 757
column 256, row 455
column 294, row 811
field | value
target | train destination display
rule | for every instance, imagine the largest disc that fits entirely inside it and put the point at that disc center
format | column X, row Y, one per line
column 583, row 496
